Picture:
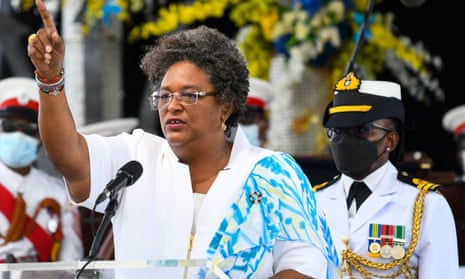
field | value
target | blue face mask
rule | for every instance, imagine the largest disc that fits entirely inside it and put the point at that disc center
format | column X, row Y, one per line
column 252, row 133
column 18, row 150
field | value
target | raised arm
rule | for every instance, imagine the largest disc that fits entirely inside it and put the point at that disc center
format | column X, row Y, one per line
column 64, row 146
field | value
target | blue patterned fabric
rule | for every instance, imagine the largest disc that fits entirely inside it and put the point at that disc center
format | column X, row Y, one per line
column 277, row 203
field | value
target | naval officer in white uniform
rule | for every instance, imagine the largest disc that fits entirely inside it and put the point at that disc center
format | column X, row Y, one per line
column 383, row 222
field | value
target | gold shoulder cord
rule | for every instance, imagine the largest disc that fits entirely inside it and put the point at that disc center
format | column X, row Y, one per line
column 18, row 220
column 19, row 228
column 359, row 263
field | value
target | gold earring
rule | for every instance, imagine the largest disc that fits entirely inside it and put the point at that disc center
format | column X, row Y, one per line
column 223, row 125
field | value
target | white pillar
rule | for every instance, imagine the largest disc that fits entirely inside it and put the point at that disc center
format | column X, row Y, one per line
column 74, row 60
column 111, row 70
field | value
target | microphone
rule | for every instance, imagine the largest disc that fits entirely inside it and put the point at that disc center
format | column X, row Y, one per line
column 126, row 176
column 352, row 62
column 358, row 44
column 412, row 3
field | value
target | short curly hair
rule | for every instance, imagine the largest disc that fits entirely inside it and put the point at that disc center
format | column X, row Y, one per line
column 210, row 50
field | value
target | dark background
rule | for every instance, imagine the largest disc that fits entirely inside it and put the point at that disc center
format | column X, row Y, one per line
column 435, row 23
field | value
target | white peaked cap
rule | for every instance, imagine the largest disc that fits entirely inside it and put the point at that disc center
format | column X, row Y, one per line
column 261, row 92
column 454, row 120
column 21, row 89
column 19, row 96
column 386, row 89
column 357, row 102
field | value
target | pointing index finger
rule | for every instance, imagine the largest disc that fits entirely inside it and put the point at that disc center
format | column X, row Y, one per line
column 47, row 19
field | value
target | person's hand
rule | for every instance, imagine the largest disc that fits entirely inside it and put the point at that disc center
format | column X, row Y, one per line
column 46, row 48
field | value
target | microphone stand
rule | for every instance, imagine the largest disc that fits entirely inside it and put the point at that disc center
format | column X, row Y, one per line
column 110, row 210
column 358, row 44
column 109, row 213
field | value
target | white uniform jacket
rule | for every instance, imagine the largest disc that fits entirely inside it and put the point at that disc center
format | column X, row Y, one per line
column 392, row 203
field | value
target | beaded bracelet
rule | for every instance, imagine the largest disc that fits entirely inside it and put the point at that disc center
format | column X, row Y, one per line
column 53, row 86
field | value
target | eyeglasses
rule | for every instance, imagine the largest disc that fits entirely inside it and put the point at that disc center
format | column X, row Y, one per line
column 161, row 99
column 360, row 132
column 29, row 128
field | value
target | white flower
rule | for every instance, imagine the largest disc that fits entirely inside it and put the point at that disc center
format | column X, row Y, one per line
column 302, row 30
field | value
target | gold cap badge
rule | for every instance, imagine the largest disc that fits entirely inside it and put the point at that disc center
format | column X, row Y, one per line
column 349, row 82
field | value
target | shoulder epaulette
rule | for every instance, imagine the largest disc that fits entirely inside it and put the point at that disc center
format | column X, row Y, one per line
column 325, row 184
column 420, row 183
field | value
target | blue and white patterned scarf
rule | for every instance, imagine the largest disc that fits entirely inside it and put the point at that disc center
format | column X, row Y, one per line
column 277, row 203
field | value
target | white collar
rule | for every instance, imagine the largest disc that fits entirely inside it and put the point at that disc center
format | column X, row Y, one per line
column 372, row 180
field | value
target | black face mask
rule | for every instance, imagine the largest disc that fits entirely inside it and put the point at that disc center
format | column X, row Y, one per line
column 354, row 157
